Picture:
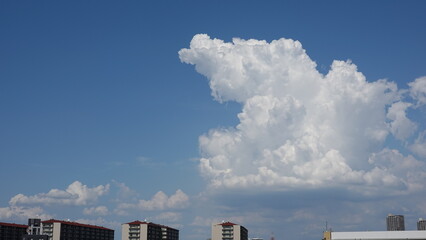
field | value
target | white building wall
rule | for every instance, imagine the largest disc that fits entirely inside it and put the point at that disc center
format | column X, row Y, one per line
column 379, row 235
column 216, row 232
column 237, row 232
column 125, row 231
column 56, row 231
column 144, row 232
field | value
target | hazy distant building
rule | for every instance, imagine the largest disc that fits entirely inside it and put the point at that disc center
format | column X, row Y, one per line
column 138, row 230
column 395, row 222
column 229, row 231
column 66, row 230
column 12, row 231
column 376, row 235
column 421, row 224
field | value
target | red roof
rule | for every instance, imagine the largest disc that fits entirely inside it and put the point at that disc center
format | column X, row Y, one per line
column 227, row 224
column 13, row 225
column 75, row 224
column 137, row 222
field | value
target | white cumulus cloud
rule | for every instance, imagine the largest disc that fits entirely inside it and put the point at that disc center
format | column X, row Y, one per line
column 75, row 194
column 418, row 90
column 160, row 201
column 419, row 145
column 100, row 211
column 298, row 127
column 23, row 213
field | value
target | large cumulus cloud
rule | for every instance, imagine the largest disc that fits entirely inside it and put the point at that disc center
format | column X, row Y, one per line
column 300, row 128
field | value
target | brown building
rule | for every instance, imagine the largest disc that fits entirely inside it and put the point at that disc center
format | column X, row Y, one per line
column 12, row 231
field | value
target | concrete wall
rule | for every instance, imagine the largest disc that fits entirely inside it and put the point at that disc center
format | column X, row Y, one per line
column 379, row 235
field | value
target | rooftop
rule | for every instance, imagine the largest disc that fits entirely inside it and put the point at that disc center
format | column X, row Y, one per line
column 13, row 225
column 137, row 222
column 75, row 224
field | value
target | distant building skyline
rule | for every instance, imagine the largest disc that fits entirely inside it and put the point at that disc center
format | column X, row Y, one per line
column 395, row 222
column 421, row 224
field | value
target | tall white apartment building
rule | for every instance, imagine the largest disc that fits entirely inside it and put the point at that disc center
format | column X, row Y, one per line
column 229, row 231
column 138, row 230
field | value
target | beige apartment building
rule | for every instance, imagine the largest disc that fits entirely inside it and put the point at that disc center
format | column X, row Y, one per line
column 229, row 231
column 138, row 230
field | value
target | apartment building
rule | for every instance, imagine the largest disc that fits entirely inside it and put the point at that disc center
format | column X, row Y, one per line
column 138, row 230
column 12, row 231
column 67, row 230
column 229, row 231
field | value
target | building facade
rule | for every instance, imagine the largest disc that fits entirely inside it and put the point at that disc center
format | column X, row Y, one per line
column 229, row 231
column 395, row 222
column 34, row 231
column 66, row 230
column 12, row 231
column 421, row 224
column 138, row 230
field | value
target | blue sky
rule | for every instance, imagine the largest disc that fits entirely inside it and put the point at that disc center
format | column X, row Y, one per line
column 105, row 119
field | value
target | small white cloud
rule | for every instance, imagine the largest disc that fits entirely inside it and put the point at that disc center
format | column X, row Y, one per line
column 168, row 217
column 160, row 201
column 75, row 194
column 100, row 211
column 419, row 145
column 418, row 90
column 124, row 192
column 203, row 221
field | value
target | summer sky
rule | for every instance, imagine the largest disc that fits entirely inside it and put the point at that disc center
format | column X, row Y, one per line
column 281, row 116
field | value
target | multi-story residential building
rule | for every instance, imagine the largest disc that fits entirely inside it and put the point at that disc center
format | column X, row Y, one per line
column 168, row 233
column 395, row 222
column 35, row 230
column 421, row 224
column 138, row 230
column 12, row 231
column 66, row 230
column 229, row 231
